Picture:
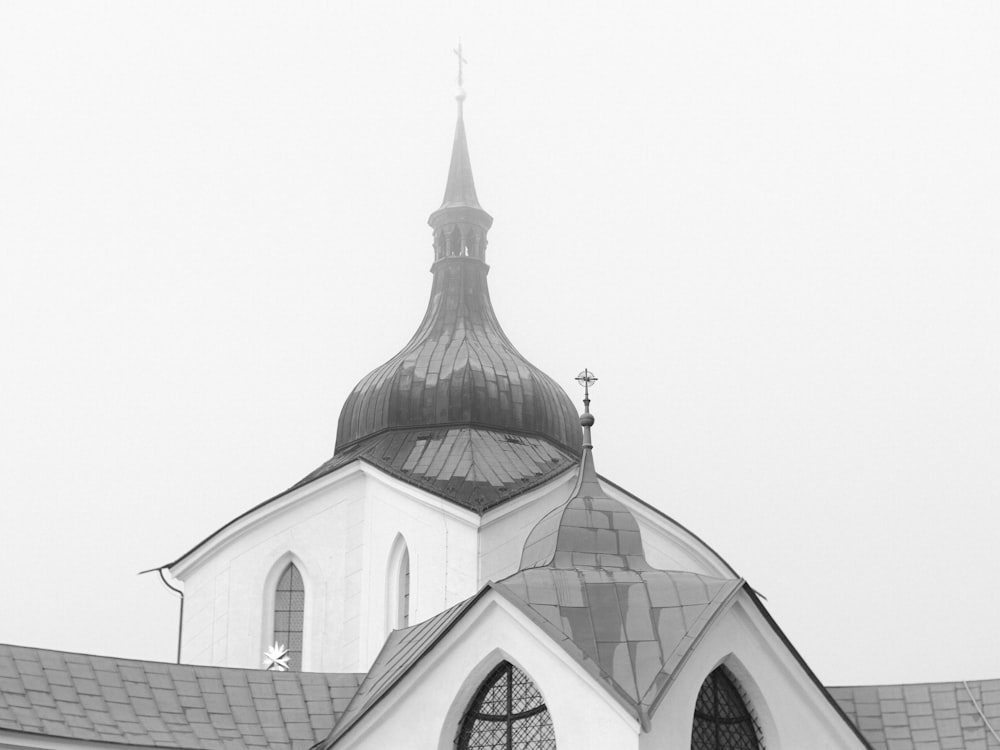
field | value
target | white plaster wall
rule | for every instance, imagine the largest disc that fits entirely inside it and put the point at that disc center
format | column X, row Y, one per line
column 425, row 709
column 668, row 545
column 504, row 529
column 339, row 531
column 791, row 711
column 442, row 542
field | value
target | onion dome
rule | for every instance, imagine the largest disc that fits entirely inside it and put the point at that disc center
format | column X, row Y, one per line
column 459, row 369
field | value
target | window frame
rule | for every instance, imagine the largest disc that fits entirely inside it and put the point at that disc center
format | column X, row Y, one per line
column 722, row 680
column 470, row 716
column 398, row 586
column 269, row 600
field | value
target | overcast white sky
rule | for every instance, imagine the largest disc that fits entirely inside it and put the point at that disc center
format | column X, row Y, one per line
column 770, row 228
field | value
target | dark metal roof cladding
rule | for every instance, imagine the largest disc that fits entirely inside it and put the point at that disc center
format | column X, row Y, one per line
column 477, row 469
column 583, row 569
column 459, row 369
column 590, row 529
column 461, row 188
column 635, row 628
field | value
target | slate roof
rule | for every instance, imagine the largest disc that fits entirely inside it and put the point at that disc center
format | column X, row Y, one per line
column 474, row 468
column 154, row 704
column 932, row 716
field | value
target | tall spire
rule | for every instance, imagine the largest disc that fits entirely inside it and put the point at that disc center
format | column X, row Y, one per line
column 461, row 188
column 460, row 370
column 460, row 224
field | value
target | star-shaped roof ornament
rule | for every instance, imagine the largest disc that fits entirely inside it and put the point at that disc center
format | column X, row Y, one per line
column 276, row 658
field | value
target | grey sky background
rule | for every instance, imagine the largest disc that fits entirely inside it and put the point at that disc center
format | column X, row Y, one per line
column 771, row 229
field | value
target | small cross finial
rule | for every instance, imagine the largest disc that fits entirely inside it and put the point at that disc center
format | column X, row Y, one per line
column 461, row 61
column 586, row 379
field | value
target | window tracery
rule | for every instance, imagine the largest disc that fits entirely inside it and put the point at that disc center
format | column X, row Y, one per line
column 289, row 614
column 721, row 718
column 507, row 713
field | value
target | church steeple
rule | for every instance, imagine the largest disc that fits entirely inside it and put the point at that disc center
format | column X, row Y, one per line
column 460, row 224
column 460, row 369
column 461, row 188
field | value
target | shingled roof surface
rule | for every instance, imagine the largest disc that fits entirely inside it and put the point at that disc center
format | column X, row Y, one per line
column 474, row 468
column 933, row 716
column 153, row 704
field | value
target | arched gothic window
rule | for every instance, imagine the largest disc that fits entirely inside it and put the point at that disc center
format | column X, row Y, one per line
column 397, row 590
column 721, row 718
column 403, row 588
column 289, row 608
column 507, row 713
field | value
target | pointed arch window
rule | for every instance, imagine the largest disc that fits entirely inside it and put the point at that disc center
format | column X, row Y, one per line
column 721, row 718
column 507, row 713
column 397, row 590
column 403, row 588
column 289, row 614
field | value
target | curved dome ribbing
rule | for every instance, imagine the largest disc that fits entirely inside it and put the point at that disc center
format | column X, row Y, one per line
column 459, row 368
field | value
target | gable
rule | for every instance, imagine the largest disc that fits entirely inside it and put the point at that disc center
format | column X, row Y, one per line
column 789, row 705
column 630, row 631
column 423, row 680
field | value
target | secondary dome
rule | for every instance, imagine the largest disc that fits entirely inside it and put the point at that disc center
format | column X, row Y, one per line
column 459, row 368
column 588, row 530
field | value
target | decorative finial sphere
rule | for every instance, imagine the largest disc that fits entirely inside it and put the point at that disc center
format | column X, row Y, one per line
column 586, row 379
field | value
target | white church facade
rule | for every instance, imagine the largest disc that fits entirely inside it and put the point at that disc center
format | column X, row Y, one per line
column 458, row 575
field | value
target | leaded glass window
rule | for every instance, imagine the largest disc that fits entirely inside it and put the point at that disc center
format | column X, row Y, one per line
column 507, row 713
column 289, row 608
column 721, row 718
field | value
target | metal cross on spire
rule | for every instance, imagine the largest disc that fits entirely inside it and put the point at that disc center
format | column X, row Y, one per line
column 461, row 61
column 586, row 379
